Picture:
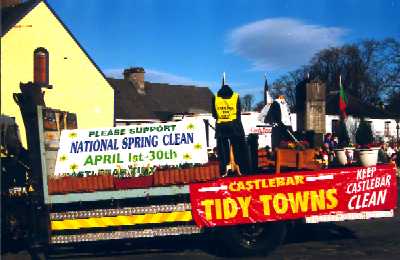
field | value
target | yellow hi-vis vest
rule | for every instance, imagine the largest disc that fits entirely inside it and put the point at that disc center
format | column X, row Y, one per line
column 226, row 108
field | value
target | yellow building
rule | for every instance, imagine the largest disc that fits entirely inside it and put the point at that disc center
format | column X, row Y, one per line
column 32, row 38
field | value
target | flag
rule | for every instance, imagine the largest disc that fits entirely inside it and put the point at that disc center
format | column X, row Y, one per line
column 342, row 99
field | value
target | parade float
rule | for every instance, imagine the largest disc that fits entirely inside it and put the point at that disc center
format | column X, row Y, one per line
column 162, row 179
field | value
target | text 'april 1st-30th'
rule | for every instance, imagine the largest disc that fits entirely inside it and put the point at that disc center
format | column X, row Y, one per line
column 131, row 157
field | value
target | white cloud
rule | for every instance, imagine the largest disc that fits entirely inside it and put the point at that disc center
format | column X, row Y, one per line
column 281, row 43
column 114, row 73
column 165, row 77
column 156, row 76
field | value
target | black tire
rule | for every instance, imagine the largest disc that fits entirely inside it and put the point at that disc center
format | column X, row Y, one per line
column 253, row 239
column 13, row 229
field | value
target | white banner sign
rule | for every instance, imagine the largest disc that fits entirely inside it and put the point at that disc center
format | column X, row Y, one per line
column 130, row 147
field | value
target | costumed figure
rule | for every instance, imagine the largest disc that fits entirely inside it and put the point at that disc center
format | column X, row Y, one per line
column 229, row 132
column 277, row 114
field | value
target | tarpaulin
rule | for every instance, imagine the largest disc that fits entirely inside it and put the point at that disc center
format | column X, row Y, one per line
column 260, row 198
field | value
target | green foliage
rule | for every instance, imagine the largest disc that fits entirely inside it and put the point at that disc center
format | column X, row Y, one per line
column 343, row 135
column 149, row 170
column 364, row 134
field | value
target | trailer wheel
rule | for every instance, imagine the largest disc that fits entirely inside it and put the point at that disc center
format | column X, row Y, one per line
column 253, row 239
column 13, row 229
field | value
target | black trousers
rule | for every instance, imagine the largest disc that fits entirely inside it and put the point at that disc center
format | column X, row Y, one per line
column 240, row 151
column 279, row 134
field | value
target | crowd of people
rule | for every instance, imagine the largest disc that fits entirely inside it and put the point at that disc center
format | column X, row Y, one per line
column 388, row 152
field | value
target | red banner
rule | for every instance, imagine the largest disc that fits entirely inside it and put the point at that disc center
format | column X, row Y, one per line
column 260, row 198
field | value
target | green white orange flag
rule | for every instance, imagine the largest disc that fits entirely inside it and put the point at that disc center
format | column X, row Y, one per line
column 342, row 99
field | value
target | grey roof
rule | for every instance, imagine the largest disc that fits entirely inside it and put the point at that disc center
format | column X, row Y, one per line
column 161, row 101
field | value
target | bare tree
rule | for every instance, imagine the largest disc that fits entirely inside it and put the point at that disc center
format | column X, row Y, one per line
column 286, row 85
column 247, row 102
column 370, row 70
column 394, row 102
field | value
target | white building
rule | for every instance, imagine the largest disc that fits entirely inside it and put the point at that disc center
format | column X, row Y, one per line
column 383, row 129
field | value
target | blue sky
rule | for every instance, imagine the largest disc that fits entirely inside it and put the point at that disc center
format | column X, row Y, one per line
column 195, row 41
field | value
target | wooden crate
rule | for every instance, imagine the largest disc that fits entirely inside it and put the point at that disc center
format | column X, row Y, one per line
column 299, row 159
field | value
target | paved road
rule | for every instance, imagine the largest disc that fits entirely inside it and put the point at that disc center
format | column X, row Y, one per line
column 367, row 239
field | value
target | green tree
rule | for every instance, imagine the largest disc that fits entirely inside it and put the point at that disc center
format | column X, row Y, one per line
column 343, row 135
column 364, row 134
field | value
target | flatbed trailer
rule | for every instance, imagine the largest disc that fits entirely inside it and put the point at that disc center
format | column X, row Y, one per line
column 224, row 205
column 250, row 214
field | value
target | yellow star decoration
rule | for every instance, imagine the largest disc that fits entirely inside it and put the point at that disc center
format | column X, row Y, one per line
column 72, row 135
column 197, row 146
column 73, row 167
column 186, row 156
column 190, row 126
column 63, row 158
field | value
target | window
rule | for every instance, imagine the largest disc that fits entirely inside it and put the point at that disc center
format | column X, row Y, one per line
column 335, row 126
column 41, row 66
column 387, row 129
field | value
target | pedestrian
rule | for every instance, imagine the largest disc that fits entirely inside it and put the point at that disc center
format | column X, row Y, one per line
column 335, row 141
column 229, row 129
column 397, row 158
column 382, row 155
column 329, row 141
column 318, row 155
column 349, row 155
column 325, row 156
